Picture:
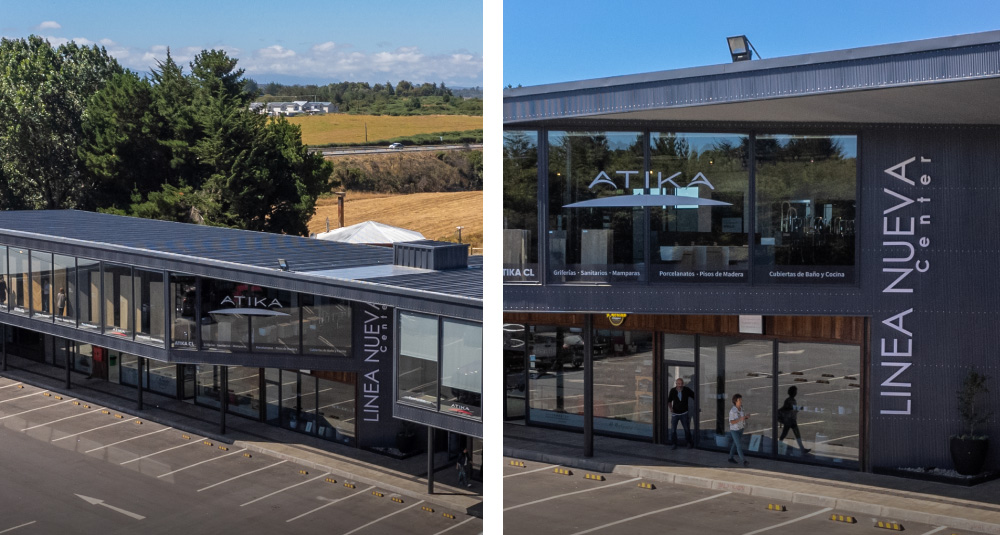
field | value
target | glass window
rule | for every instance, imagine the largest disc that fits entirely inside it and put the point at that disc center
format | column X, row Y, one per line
column 806, row 201
column 307, row 402
column 244, row 391
column 623, row 397
column 19, row 293
column 273, row 388
column 83, row 358
column 4, row 279
column 513, row 370
column 461, row 368
column 678, row 348
column 555, row 375
column 700, row 243
column 129, row 370
column 277, row 332
column 224, row 322
column 520, row 206
column 64, row 281
column 149, row 307
column 735, row 366
column 418, row 360
column 183, row 292
column 41, row 285
column 118, row 300
column 326, row 326
column 162, row 377
column 337, row 401
column 89, row 275
column 207, row 385
column 596, row 244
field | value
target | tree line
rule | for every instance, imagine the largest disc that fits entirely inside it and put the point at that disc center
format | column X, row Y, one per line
column 79, row 131
column 403, row 98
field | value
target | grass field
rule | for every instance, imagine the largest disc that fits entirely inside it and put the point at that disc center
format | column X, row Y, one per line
column 435, row 215
column 344, row 128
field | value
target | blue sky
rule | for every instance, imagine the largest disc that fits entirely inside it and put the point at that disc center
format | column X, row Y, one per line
column 559, row 40
column 304, row 41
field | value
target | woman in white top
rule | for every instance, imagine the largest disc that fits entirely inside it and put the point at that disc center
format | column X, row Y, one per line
column 736, row 425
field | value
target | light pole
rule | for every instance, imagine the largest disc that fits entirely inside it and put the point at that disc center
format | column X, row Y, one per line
column 460, row 234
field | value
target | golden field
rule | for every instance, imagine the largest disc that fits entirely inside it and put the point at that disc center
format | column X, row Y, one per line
column 435, row 215
column 344, row 128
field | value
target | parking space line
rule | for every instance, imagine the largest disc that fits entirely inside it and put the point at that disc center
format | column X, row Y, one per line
column 94, row 429
column 61, row 419
column 19, row 397
column 286, row 488
column 9, row 386
column 328, row 504
column 572, row 493
column 455, row 526
column 33, row 410
column 359, row 528
column 128, row 439
column 17, row 527
column 203, row 462
column 531, row 471
column 246, row 474
column 792, row 521
column 631, row 518
column 935, row 530
column 161, row 451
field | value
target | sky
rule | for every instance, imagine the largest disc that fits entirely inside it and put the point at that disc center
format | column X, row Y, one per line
column 560, row 41
column 306, row 41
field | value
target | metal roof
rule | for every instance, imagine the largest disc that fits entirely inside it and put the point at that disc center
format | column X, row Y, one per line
column 948, row 80
column 181, row 246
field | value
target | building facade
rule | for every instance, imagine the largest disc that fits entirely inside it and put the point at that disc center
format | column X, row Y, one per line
column 838, row 240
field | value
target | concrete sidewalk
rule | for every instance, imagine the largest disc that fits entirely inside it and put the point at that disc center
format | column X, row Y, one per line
column 407, row 477
column 867, row 495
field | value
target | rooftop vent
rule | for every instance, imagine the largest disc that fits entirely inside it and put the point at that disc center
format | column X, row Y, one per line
column 429, row 254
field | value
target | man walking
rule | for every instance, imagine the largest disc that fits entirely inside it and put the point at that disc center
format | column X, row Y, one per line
column 678, row 400
column 463, row 465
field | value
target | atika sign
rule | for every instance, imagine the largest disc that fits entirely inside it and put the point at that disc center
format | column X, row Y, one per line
column 250, row 306
column 603, row 178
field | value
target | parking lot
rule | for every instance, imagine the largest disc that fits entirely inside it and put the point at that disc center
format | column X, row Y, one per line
column 572, row 504
column 75, row 467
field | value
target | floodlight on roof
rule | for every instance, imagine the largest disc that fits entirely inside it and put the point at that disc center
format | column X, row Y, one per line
column 740, row 48
column 283, row 264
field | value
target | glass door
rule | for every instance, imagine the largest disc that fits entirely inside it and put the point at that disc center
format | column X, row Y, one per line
column 680, row 400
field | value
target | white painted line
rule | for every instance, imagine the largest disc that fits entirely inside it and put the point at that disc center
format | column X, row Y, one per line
column 935, row 530
column 359, row 528
column 242, row 475
column 572, row 493
column 455, row 526
column 792, row 521
column 61, row 419
column 33, row 410
column 829, row 391
column 678, row 506
column 94, row 429
column 19, row 397
column 8, row 386
column 96, row 501
column 202, row 462
column 286, row 488
column 16, row 527
column 127, row 439
column 161, row 451
column 835, row 439
column 329, row 504
column 531, row 471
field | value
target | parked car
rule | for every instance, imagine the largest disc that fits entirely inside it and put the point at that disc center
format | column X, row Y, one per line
column 396, row 146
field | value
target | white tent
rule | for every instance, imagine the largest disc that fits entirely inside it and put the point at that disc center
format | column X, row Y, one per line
column 372, row 233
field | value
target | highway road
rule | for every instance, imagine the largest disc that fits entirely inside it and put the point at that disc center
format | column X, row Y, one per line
column 350, row 151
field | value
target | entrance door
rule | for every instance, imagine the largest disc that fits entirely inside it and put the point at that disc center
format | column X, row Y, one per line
column 685, row 372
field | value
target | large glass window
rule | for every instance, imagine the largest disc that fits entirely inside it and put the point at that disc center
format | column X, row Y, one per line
column 596, row 244
column 64, row 282
column 623, row 397
column 513, row 370
column 149, row 307
column 41, row 285
column 225, row 324
column 555, row 374
column 736, row 366
column 700, row 243
column 118, row 301
column 19, row 281
column 4, row 280
column 183, row 292
column 337, row 400
column 461, row 367
column 326, row 326
column 162, row 377
column 277, row 332
column 417, row 380
column 806, row 209
column 244, row 391
column 520, row 206
column 89, row 274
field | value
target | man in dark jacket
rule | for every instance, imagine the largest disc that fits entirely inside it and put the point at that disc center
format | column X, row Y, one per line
column 463, row 466
column 678, row 400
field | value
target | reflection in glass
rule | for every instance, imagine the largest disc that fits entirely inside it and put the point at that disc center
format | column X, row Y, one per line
column 326, row 326
column 278, row 333
column 162, row 377
column 41, row 285
column 418, row 360
column 118, row 300
column 223, row 325
column 4, row 280
column 208, row 385
column 735, row 366
column 513, row 370
column 64, row 281
column 337, row 401
column 19, row 281
column 555, row 374
column 149, row 306
column 89, row 275
column 244, row 391
column 183, row 292
column 520, row 205
column 623, row 398
column 461, row 368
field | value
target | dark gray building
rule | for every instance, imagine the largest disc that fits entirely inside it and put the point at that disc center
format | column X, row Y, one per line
column 824, row 222
column 343, row 342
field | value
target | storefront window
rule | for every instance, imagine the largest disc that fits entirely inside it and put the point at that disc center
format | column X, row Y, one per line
column 89, row 275
column 4, row 280
column 149, row 307
column 183, row 292
column 225, row 324
column 208, row 385
column 461, row 368
column 520, row 206
column 64, row 281
column 806, row 209
column 595, row 243
column 623, row 398
column 278, row 331
column 244, row 391
column 118, row 300
column 41, row 285
column 129, row 371
column 161, row 376
column 337, row 401
column 19, row 281
column 555, row 375
column 513, row 370
column 417, row 378
column 326, row 326
column 736, row 366
column 700, row 243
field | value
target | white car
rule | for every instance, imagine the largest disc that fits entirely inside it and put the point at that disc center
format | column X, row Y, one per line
column 396, row 146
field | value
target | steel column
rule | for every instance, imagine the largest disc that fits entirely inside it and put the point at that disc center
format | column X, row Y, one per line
column 430, row 460
column 588, row 386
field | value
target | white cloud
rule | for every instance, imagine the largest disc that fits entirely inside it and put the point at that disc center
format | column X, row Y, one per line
column 324, row 47
column 274, row 52
column 49, row 25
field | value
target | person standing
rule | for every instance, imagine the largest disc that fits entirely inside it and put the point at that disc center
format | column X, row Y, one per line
column 737, row 422
column 788, row 416
column 61, row 302
column 463, row 465
column 677, row 401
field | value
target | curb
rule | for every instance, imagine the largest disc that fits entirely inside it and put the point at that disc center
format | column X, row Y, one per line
column 852, row 506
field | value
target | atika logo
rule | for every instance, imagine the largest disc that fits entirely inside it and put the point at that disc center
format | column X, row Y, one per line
column 603, row 178
column 617, row 319
column 250, row 306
